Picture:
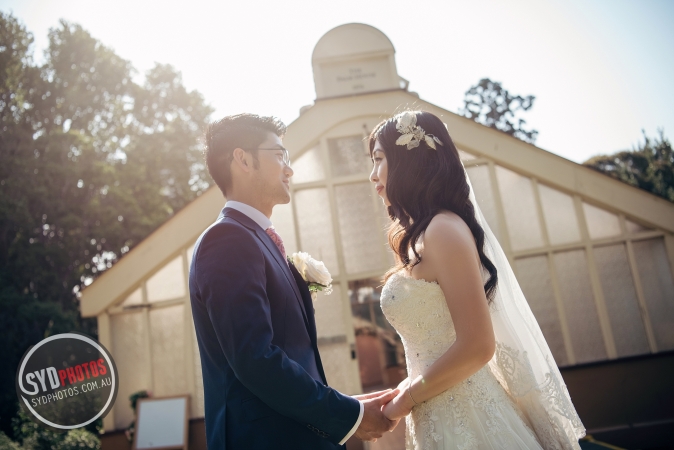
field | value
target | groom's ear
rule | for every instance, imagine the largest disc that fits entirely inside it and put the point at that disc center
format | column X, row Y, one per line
column 242, row 159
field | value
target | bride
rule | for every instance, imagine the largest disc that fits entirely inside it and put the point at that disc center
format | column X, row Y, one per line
column 481, row 375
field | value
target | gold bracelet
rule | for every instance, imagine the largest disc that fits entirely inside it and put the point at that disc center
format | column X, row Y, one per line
column 409, row 391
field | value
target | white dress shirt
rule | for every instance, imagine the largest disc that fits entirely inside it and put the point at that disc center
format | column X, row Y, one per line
column 255, row 215
column 264, row 222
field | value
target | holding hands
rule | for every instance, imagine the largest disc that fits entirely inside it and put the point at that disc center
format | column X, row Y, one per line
column 374, row 423
column 383, row 410
column 402, row 404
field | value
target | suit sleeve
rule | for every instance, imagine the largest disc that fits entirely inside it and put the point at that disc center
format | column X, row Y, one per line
column 232, row 283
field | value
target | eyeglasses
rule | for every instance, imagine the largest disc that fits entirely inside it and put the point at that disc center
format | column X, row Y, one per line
column 286, row 155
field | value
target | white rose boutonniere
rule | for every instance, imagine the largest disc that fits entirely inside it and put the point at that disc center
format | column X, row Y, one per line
column 313, row 272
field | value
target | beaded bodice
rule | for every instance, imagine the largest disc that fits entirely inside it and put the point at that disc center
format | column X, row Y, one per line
column 418, row 311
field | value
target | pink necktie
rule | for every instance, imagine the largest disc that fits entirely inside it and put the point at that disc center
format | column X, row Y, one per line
column 278, row 241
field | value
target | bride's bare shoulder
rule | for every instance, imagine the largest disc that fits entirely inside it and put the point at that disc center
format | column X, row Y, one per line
column 447, row 224
column 447, row 231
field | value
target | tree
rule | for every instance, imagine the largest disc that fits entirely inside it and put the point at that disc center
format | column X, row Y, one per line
column 490, row 104
column 35, row 437
column 649, row 166
column 92, row 162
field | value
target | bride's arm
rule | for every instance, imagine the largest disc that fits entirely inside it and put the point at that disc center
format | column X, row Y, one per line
column 450, row 256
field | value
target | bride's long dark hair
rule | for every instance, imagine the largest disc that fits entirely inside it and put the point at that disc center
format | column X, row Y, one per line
column 421, row 183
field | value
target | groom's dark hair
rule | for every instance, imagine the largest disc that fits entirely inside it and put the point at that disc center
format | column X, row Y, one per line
column 238, row 131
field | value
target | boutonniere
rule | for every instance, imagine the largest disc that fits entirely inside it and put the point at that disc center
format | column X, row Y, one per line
column 313, row 272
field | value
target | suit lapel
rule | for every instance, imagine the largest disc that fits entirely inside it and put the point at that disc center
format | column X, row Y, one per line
column 273, row 249
column 308, row 303
column 271, row 246
column 294, row 278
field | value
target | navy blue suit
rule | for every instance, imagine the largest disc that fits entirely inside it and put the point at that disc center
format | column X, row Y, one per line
column 264, row 384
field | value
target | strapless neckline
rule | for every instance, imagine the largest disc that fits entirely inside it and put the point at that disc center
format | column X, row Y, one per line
column 407, row 275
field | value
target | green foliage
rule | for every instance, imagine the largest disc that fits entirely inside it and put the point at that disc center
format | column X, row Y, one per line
column 133, row 398
column 649, row 166
column 490, row 104
column 79, row 440
column 7, row 444
column 24, row 321
column 35, row 437
column 92, row 162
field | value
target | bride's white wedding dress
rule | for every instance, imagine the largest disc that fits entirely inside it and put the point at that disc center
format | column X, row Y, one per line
column 478, row 413
column 517, row 401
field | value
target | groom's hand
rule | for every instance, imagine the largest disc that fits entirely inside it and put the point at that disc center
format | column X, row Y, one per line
column 370, row 395
column 374, row 424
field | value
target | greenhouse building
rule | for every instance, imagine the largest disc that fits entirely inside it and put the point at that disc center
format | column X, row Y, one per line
column 594, row 257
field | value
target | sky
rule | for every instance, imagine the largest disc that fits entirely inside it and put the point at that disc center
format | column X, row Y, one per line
column 601, row 70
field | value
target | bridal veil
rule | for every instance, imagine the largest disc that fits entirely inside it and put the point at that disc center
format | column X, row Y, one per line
column 522, row 362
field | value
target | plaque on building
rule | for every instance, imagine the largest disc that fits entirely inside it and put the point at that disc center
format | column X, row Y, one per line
column 354, row 59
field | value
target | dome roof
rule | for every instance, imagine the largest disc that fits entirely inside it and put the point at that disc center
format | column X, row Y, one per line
column 351, row 39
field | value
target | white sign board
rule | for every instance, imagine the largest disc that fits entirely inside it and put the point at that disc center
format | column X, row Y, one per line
column 356, row 77
column 162, row 423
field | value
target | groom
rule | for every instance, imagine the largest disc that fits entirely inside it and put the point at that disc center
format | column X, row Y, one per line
column 264, row 385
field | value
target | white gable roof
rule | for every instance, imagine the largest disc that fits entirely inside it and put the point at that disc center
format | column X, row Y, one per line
column 529, row 160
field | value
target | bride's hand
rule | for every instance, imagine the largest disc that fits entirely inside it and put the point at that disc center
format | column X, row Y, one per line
column 401, row 405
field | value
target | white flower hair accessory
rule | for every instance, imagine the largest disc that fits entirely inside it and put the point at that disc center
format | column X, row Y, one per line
column 413, row 134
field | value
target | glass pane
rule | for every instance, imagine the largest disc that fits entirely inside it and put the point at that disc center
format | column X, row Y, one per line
column 481, row 182
column 560, row 216
column 284, row 224
column 533, row 275
column 168, row 283
column 633, row 227
column 135, row 298
column 349, row 155
column 167, row 343
column 190, row 253
column 381, row 356
column 361, row 237
column 581, row 311
column 128, row 348
column 308, row 167
column 370, row 349
column 363, row 295
column 379, row 317
column 330, row 314
column 315, row 226
column 627, row 324
column 386, row 224
column 339, row 367
column 601, row 223
column 656, row 280
column 520, row 209
column 465, row 156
